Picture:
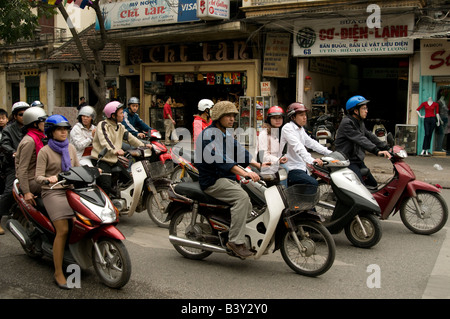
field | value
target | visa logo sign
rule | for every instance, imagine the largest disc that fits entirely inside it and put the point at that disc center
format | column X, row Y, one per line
column 187, row 10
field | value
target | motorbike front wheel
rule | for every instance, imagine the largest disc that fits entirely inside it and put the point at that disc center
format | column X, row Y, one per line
column 115, row 268
column 432, row 216
column 316, row 252
column 355, row 234
column 158, row 215
column 181, row 226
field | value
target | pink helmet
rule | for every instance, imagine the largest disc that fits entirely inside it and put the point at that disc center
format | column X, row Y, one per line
column 111, row 108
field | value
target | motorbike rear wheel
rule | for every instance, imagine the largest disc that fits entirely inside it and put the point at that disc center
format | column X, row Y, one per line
column 180, row 226
column 326, row 196
column 157, row 215
column 116, row 271
column 372, row 226
column 320, row 249
column 431, row 219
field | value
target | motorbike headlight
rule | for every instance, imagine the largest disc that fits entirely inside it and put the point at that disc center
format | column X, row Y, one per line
column 402, row 154
column 106, row 213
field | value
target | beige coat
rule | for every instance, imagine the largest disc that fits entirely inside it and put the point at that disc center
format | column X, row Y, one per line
column 49, row 164
column 25, row 162
column 109, row 134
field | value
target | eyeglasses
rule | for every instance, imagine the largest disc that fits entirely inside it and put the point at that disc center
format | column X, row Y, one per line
column 20, row 114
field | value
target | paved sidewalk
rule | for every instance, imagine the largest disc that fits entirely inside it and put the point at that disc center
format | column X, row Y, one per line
column 423, row 168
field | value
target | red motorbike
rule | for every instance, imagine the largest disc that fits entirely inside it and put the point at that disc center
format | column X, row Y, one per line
column 93, row 240
column 422, row 208
column 160, row 150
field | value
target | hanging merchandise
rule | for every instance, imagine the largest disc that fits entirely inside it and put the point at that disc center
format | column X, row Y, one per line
column 236, row 78
column 200, row 77
column 210, row 79
column 218, row 78
column 308, row 83
column 227, row 78
column 189, row 77
column 81, row 3
column 244, row 82
column 168, row 79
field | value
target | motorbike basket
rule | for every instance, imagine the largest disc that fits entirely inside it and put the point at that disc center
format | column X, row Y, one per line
column 302, row 197
column 158, row 169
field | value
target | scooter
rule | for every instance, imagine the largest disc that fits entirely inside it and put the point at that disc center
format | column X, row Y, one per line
column 323, row 130
column 199, row 224
column 353, row 208
column 379, row 130
column 142, row 186
column 422, row 208
column 93, row 240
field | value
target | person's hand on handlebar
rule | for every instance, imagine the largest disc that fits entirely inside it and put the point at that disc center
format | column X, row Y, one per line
column 251, row 175
column 318, row 161
column 52, row 179
column 384, row 154
column 119, row 152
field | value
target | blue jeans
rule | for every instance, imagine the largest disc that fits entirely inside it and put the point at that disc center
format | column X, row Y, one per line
column 297, row 176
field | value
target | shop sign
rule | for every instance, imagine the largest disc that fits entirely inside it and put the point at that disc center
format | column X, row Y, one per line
column 434, row 57
column 265, row 88
column 140, row 13
column 213, row 9
column 276, row 55
column 353, row 36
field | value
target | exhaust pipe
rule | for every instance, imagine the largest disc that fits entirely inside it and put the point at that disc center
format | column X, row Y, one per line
column 195, row 244
column 18, row 231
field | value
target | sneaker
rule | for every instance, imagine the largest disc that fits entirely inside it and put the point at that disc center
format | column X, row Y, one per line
column 239, row 250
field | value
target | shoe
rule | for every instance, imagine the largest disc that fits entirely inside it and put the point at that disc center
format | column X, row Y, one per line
column 64, row 286
column 240, row 250
column 2, row 231
column 423, row 153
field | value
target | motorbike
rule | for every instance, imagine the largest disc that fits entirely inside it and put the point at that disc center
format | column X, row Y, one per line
column 185, row 170
column 93, row 239
column 379, row 130
column 283, row 218
column 324, row 131
column 142, row 185
column 353, row 208
column 421, row 206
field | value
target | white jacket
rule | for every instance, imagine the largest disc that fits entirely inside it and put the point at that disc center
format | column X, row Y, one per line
column 81, row 138
column 298, row 141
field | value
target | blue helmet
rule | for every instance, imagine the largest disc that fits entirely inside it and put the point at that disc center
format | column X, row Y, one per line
column 355, row 101
column 54, row 121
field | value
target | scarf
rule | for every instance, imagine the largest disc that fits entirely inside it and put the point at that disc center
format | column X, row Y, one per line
column 37, row 137
column 63, row 149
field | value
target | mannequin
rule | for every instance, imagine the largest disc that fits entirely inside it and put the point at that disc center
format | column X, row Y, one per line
column 441, row 131
column 431, row 120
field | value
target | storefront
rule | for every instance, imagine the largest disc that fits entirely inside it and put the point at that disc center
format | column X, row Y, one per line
column 434, row 79
column 343, row 57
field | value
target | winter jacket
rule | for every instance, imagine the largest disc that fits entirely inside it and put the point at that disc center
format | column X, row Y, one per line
column 81, row 137
column 110, row 134
column 353, row 139
column 26, row 165
column 133, row 123
column 11, row 137
column 216, row 155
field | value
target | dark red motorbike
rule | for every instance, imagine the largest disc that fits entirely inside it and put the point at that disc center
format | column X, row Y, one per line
column 93, row 240
column 422, row 208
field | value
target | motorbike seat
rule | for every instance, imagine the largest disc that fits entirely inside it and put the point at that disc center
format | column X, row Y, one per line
column 193, row 191
column 40, row 205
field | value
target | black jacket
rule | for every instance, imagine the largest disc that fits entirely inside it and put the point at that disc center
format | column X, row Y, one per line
column 353, row 139
column 11, row 137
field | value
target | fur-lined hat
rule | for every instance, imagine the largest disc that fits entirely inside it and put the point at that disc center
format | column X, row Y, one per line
column 221, row 108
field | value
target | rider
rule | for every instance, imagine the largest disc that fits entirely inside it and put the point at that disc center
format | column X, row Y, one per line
column 11, row 137
column 28, row 150
column 110, row 135
column 269, row 137
column 37, row 103
column 203, row 119
column 131, row 120
column 83, row 132
column 353, row 139
column 294, row 135
column 218, row 155
column 56, row 157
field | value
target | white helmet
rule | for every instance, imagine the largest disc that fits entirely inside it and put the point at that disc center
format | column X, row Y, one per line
column 34, row 114
column 87, row 111
column 19, row 106
column 205, row 104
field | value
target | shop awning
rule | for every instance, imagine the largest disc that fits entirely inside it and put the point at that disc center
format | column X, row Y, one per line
column 179, row 33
